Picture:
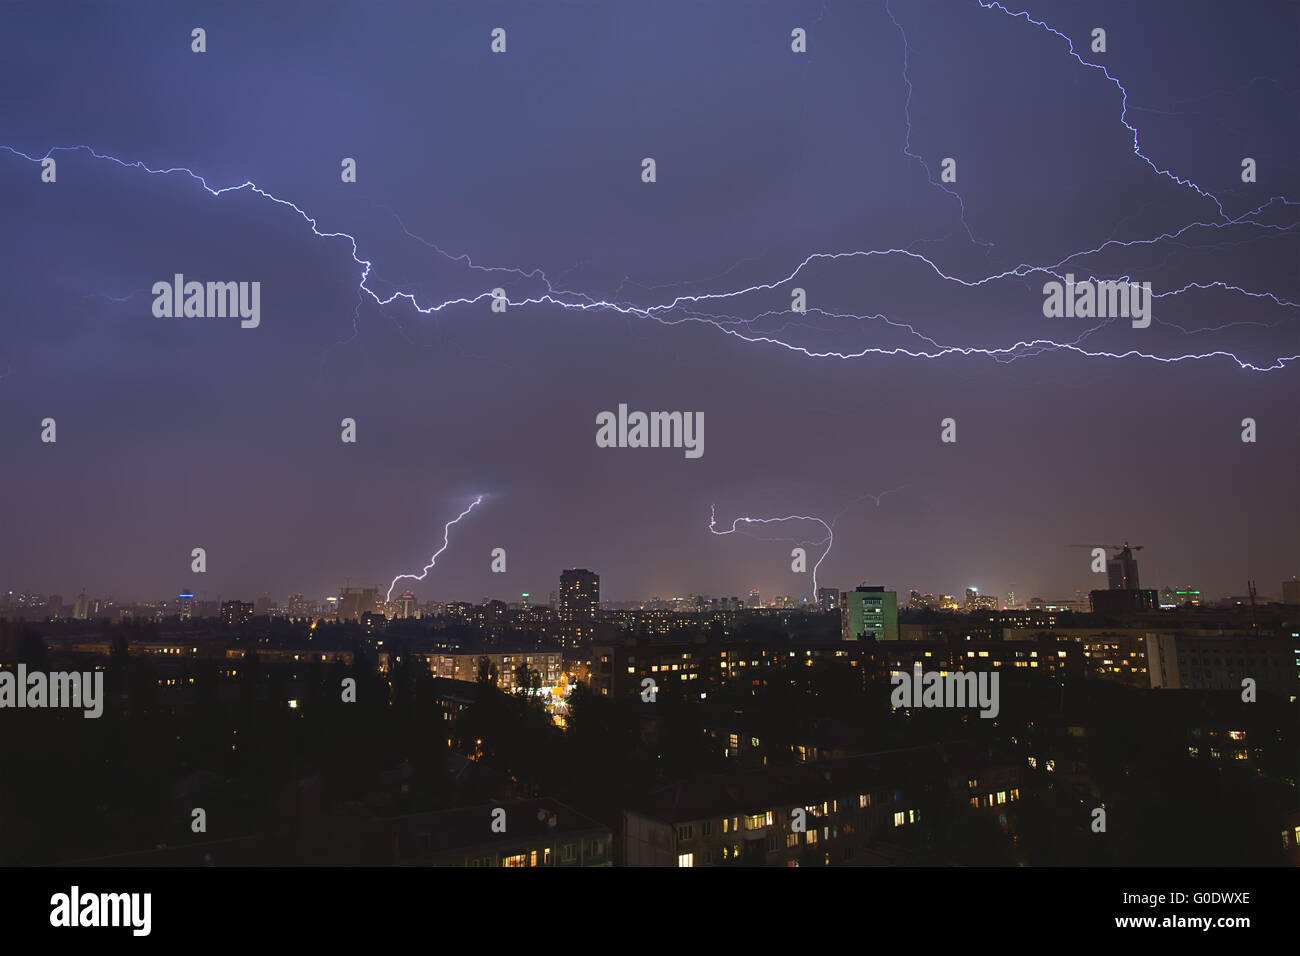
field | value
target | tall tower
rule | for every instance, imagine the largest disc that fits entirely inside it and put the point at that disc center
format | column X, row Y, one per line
column 579, row 594
column 1122, row 571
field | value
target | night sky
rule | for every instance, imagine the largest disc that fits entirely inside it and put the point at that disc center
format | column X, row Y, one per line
column 183, row 433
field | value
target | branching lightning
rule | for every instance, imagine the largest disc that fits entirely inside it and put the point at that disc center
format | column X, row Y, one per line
column 446, row 538
column 691, row 308
column 829, row 540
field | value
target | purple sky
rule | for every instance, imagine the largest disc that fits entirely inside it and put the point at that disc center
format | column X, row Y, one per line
column 182, row 433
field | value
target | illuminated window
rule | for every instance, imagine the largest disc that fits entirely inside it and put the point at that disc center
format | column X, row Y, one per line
column 900, row 818
column 519, row 859
column 686, row 859
column 864, row 800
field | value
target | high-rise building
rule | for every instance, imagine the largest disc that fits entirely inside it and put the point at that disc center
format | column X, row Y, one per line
column 1122, row 571
column 185, row 605
column 405, row 605
column 828, row 599
column 869, row 612
column 79, row 607
column 579, row 594
column 916, row 601
column 300, row 608
column 980, row 602
column 354, row 602
column 54, row 607
column 1291, row 593
column 755, row 599
column 236, row 612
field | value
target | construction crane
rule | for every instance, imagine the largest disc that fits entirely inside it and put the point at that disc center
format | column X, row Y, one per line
column 1124, row 563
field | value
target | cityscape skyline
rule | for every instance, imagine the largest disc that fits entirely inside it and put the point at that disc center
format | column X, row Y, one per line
column 1288, row 590
column 203, row 433
column 536, row 434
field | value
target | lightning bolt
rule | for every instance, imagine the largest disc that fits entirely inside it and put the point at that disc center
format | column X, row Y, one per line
column 1123, row 116
column 907, row 141
column 829, row 540
column 687, row 308
column 446, row 538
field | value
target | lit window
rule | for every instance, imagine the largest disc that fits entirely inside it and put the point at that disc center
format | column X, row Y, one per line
column 686, row 859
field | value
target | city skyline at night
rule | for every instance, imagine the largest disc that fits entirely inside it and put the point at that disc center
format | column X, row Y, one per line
column 538, row 434
column 678, row 293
